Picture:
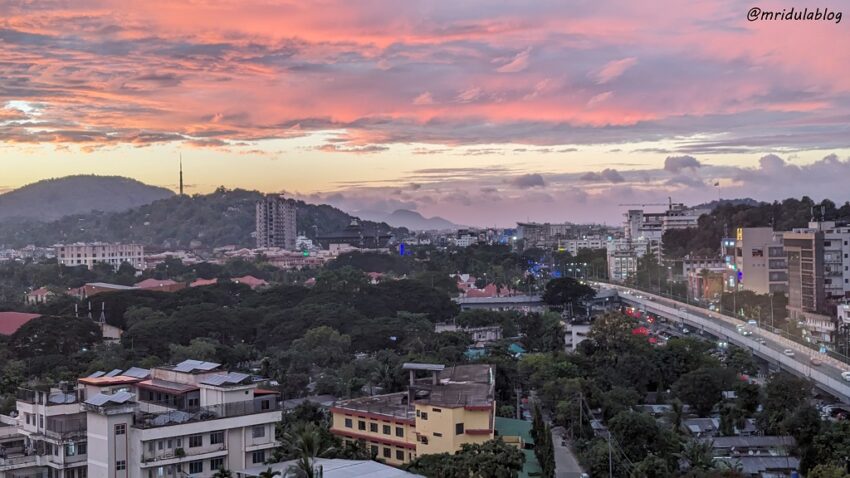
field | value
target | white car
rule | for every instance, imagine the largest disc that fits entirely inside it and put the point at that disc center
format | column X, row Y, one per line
column 761, row 341
column 788, row 352
column 846, row 375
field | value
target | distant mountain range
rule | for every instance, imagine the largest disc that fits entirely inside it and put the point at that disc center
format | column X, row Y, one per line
column 223, row 217
column 52, row 199
column 409, row 219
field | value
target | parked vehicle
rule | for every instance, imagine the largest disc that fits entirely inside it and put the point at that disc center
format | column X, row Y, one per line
column 846, row 375
column 815, row 361
column 788, row 352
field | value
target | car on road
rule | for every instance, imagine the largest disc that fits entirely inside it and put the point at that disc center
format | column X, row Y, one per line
column 815, row 361
column 761, row 341
column 788, row 352
column 846, row 375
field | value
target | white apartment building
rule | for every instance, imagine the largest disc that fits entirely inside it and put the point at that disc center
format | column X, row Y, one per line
column 587, row 242
column 185, row 420
column 276, row 220
column 91, row 253
column 760, row 262
column 623, row 256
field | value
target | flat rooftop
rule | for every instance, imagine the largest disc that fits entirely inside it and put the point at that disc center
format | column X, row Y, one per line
column 391, row 404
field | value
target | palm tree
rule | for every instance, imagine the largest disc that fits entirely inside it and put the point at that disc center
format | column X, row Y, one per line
column 222, row 473
column 699, row 454
column 305, row 442
column 676, row 414
column 268, row 473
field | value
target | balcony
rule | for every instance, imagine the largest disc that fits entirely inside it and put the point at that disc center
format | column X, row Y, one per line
column 151, row 415
column 181, row 453
column 15, row 461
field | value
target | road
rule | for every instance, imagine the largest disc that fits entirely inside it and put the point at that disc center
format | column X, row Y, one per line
column 566, row 465
column 827, row 375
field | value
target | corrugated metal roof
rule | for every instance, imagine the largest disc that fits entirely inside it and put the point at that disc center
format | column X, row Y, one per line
column 98, row 374
column 192, row 365
column 137, row 372
column 232, row 378
column 114, row 373
column 102, row 399
column 423, row 366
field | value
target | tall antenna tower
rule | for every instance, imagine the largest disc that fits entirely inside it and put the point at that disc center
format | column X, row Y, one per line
column 181, row 174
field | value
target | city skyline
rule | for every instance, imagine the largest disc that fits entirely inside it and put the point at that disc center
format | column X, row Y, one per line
column 484, row 114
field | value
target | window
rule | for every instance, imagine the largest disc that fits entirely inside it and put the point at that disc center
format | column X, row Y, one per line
column 82, row 448
column 361, row 425
column 438, row 435
column 121, row 465
column 424, row 415
column 120, row 429
column 170, row 444
column 71, row 449
column 388, row 430
column 387, row 452
column 216, row 463
column 194, row 402
column 459, row 429
column 265, row 405
column 373, row 427
column 216, row 438
column 399, row 455
column 258, row 456
column 196, row 467
column 196, row 441
column 348, row 423
column 399, row 431
column 151, row 446
column 436, row 410
column 160, row 445
column 374, row 449
column 258, row 431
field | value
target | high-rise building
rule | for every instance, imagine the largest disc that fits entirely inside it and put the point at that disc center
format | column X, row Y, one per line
column 818, row 276
column 453, row 407
column 760, row 264
column 276, row 222
column 89, row 254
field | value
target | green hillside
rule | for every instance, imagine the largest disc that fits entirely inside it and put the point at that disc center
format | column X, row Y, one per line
column 220, row 218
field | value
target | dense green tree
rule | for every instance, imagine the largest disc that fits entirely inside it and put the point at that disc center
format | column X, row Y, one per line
column 783, row 394
column 567, row 291
column 702, row 388
column 491, row 459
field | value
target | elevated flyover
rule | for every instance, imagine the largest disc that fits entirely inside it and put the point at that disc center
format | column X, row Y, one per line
column 826, row 376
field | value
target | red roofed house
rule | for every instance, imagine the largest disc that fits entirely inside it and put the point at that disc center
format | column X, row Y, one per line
column 203, row 282
column 10, row 322
column 39, row 296
column 250, row 281
column 166, row 285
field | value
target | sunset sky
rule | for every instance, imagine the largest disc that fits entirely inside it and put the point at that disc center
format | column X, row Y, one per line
column 482, row 112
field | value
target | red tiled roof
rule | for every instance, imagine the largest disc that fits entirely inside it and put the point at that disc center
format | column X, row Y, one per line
column 39, row 292
column 202, row 282
column 152, row 283
column 250, row 281
column 10, row 322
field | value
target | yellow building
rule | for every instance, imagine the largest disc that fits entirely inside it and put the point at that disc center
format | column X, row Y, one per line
column 454, row 406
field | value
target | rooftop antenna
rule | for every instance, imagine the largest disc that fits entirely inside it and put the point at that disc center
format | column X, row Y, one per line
column 181, row 174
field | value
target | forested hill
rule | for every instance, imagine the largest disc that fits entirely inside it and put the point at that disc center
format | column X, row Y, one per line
column 220, row 218
column 726, row 217
column 52, row 199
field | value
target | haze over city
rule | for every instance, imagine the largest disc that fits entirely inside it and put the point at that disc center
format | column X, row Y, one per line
column 481, row 112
